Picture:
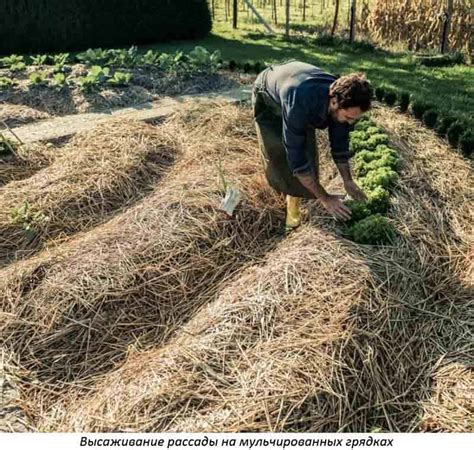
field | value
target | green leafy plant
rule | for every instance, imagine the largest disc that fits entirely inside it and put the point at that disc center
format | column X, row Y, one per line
column 258, row 67
column 404, row 101
column 454, row 133
column 93, row 56
column 38, row 78
column 359, row 210
column 94, row 78
column 6, row 83
column 375, row 140
column 11, row 60
column 364, row 123
column 18, row 67
column 444, row 122
column 39, row 60
column 6, row 146
column 150, row 58
column 124, row 58
column 120, row 79
column 373, row 130
column 362, row 168
column 202, row 60
column 28, row 219
column 466, row 143
column 382, row 176
column 430, row 118
column 378, row 200
column 379, row 93
column 59, row 61
column 418, row 108
column 247, row 67
column 59, row 80
column 390, row 97
column 233, row 66
column 373, row 230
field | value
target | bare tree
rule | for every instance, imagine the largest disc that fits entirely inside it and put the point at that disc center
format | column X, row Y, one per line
column 336, row 14
column 446, row 27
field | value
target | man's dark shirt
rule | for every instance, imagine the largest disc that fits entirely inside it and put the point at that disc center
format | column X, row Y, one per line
column 302, row 91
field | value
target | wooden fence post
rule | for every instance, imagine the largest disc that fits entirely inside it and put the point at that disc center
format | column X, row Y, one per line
column 336, row 13
column 236, row 12
column 287, row 23
column 353, row 22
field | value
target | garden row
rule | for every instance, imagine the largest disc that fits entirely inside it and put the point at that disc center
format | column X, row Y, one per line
column 458, row 131
column 375, row 165
column 55, row 70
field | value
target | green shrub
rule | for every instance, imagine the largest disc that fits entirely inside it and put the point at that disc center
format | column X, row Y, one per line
column 443, row 125
column 466, row 142
column 373, row 230
column 31, row 26
column 232, row 65
column 418, row 108
column 390, row 97
column 379, row 93
column 247, row 67
column 454, row 133
column 383, row 177
column 258, row 67
column 404, row 101
column 430, row 118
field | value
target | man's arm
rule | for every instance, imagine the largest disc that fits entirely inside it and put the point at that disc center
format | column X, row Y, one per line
column 339, row 139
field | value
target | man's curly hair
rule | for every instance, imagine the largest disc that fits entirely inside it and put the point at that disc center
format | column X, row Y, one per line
column 352, row 90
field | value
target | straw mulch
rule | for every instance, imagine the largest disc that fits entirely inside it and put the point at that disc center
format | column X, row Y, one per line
column 73, row 311
column 324, row 335
column 320, row 335
column 27, row 160
column 97, row 173
column 17, row 115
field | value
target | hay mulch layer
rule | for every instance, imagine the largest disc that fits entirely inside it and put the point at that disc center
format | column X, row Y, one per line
column 97, row 173
column 172, row 318
column 35, row 102
column 74, row 310
column 16, row 115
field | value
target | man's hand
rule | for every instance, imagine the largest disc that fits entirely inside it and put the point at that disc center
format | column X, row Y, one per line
column 333, row 203
column 355, row 191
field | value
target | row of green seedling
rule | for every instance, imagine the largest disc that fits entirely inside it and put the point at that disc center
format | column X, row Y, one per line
column 96, row 77
column 199, row 60
column 458, row 131
column 375, row 166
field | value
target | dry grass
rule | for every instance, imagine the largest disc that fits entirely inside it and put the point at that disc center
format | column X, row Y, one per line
column 72, row 311
column 170, row 318
column 97, row 173
column 16, row 115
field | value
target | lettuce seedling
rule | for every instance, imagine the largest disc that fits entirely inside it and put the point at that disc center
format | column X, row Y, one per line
column 383, row 176
column 373, row 230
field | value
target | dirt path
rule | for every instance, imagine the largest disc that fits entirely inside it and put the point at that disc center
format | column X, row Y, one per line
column 60, row 127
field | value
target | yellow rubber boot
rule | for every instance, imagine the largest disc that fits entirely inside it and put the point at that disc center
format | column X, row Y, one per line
column 293, row 213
